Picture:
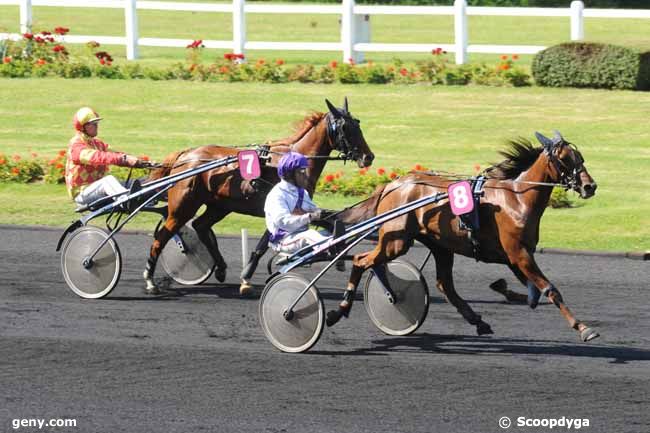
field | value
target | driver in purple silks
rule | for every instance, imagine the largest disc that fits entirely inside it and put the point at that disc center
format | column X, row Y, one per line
column 289, row 209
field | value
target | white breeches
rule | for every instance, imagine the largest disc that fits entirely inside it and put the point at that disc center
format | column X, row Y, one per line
column 293, row 242
column 107, row 185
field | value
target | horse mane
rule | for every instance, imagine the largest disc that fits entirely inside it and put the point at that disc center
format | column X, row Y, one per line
column 519, row 156
column 301, row 128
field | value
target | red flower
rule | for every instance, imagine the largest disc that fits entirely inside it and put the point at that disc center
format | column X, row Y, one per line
column 504, row 67
column 49, row 39
column 59, row 166
column 239, row 56
column 381, row 171
column 61, row 30
column 504, row 57
column 515, row 57
column 44, row 33
column 3, row 161
column 6, row 59
column 102, row 61
column 417, row 167
column 34, row 154
column 477, row 167
column 279, row 62
column 196, row 44
column 28, row 36
column 58, row 48
column 39, row 40
column 51, row 162
column 41, row 62
column 329, row 178
column 224, row 69
column 335, row 187
column 333, row 64
column 144, row 158
column 15, row 171
column 392, row 175
column 260, row 62
column 437, row 51
column 16, row 158
column 351, row 61
column 363, row 171
column 62, row 152
column 229, row 56
column 403, row 72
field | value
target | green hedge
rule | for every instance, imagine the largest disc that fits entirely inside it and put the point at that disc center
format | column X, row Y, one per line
column 583, row 64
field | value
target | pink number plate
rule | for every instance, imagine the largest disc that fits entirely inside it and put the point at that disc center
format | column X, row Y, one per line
column 460, row 197
column 249, row 164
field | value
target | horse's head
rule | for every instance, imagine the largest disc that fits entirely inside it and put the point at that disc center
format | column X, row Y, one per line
column 568, row 164
column 345, row 135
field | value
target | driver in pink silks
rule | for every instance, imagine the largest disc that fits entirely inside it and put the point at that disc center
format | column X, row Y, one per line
column 289, row 209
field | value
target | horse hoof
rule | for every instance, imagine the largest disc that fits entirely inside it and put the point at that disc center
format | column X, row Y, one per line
column 499, row 286
column 333, row 316
column 220, row 274
column 483, row 329
column 588, row 334
column 245, row 289
column 153, row 290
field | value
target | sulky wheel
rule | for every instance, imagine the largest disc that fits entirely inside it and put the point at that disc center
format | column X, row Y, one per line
column 411, row 304
column 186, row 259
column 301, row 330
column 91, row 279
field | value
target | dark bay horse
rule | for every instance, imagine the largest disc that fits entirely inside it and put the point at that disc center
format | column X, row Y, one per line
column 223, row 190
column 516, row 195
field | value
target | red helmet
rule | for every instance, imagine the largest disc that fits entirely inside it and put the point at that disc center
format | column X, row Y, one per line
column 84, row 116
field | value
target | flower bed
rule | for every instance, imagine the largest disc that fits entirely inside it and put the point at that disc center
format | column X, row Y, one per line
column 42, row 54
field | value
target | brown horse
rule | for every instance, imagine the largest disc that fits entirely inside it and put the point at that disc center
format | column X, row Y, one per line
column 515, row 196
column 223, row 190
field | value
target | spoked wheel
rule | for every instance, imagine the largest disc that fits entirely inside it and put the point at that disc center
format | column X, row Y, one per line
column 95, row 278
column 411, row 305
column 300, row 331
column 186, row 259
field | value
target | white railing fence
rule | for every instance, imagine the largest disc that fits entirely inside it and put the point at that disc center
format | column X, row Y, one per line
column 355, row 25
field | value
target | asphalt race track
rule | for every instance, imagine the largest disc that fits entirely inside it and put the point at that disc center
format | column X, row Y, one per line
column 197, row 360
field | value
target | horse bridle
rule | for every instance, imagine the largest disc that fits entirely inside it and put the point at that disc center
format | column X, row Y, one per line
column 339, row 139
column 569, row 177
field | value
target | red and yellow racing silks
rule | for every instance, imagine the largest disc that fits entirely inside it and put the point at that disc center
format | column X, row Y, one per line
column 87, row 161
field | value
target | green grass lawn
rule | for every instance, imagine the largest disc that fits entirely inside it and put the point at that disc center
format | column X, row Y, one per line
column 444, row 128
column 324, row 28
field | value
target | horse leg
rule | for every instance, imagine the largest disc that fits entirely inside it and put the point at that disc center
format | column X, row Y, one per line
column 203, row 225
column 524, row 263
column 247, row 273
column 445, row 284
column 385, row 251
column 501, row 286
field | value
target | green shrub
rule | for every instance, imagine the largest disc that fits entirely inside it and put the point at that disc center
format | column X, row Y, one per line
column 559, row 198
column 347, row 74
column 75, row 70
column 583, row 64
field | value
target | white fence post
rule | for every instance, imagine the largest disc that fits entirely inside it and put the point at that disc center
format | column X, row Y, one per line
column 362, row 35
column 25, row 16
column 577, row 21
column 348, row 30
column 244, row 248
column 460, row 30
column 238, row 26
column 131, row 19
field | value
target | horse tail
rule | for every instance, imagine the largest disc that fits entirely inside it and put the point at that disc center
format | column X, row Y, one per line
column 167, row 166
column 364, row 210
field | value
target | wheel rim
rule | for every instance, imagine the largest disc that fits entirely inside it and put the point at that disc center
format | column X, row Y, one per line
column 191, row 265
column 98, row 280
column 410, row 309
column 306, row 326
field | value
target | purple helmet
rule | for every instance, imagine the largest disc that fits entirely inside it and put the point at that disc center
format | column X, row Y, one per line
column 291, row 161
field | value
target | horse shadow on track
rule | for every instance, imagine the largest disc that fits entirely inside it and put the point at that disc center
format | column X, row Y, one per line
column 474, row 345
